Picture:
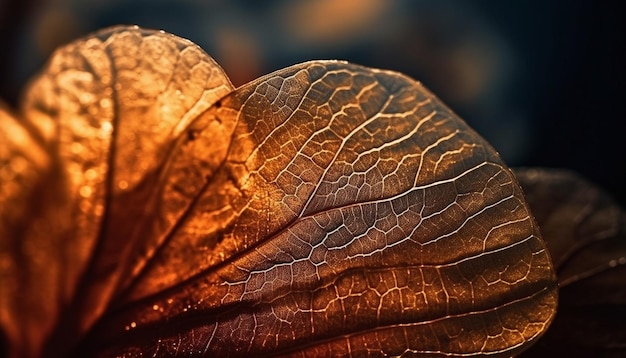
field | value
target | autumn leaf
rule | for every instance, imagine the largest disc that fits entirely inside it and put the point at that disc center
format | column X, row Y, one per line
column 326, row 209
column 585, row 231
column 106, row 111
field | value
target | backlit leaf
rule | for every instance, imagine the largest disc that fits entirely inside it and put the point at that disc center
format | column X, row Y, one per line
column 326, row 209
column 352, row 213
column 107, row 110
column 31, row 273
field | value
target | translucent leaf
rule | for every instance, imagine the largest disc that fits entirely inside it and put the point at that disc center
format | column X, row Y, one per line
column 107, row 110
column 352, row 213
column 327, row 209
column 31, row 270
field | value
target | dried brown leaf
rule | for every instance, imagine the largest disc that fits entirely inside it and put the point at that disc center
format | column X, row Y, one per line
column 383, row 224
column 32, row 271
column 585, row 231
column 325, row 209
column 107, row 110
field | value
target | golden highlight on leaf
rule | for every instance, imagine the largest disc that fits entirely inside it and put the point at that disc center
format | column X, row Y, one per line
column 31, row 227
column 117, row 101
column 326, row 209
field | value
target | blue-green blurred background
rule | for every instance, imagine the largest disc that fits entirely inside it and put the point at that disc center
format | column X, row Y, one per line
column 543, row 81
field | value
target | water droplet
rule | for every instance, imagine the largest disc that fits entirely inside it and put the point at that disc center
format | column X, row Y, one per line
column 91, row 174
column 85, row 191
column 105, row 103
column 106, row 127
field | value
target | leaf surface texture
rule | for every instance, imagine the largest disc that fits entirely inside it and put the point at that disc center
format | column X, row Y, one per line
column 326, row 209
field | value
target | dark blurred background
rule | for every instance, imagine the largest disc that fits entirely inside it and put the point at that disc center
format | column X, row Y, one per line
column 543, row 81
